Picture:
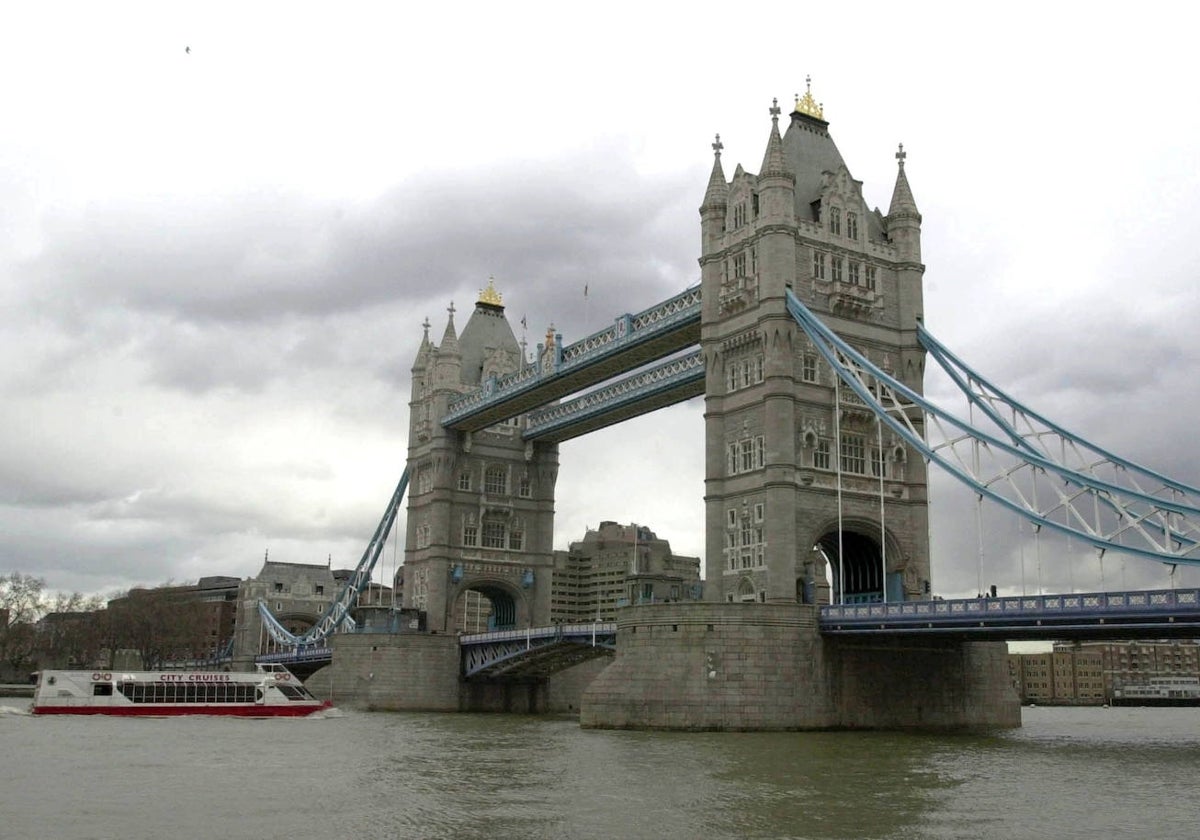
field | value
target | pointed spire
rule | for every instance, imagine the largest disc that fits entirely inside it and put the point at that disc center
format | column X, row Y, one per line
column 902, row 197
column 449, row 337
column 717, row 194
column 773, row 162
column 425, row 350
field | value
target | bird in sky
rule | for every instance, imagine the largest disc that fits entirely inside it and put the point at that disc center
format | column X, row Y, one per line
column 187, row 50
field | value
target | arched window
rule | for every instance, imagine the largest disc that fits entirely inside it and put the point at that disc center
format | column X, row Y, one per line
column 495, row 480
column 746, row 592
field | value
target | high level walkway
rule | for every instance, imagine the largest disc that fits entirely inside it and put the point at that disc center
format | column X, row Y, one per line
column 631, row 342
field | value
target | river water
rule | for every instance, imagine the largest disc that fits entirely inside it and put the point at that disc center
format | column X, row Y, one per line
column 1067, row 773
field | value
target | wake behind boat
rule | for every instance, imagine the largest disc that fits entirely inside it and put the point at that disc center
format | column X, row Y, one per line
column 269, row 691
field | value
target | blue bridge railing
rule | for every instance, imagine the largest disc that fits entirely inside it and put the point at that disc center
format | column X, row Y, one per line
column 1169, row 612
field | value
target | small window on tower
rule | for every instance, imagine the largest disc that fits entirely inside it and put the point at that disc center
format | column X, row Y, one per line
column 821, row 455
column 809, row 371
column 835, row 221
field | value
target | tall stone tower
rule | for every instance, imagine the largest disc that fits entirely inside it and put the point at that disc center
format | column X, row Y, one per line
column 799, row 474
column 481, row 505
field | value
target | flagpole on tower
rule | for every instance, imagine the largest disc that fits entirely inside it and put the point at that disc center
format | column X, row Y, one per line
column 524, row 353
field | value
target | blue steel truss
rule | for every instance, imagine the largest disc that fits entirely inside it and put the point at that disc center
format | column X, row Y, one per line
column 337, row 615
column 1031, row 430
column 537, row 651
column 672, row 381
column 1017, row 470
column 632, row 341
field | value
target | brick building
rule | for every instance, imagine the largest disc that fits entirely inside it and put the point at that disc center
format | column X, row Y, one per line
column 1085, row 673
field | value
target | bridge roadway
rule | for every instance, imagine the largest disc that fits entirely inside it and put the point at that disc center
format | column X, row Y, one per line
column 1154, row 614
column 540, row 651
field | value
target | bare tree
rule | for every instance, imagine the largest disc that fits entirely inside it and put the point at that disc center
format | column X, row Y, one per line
column 164, row 625
column 21, row 604
column 21, row 596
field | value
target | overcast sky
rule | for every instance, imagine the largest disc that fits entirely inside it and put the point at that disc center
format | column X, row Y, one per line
column 214, row 263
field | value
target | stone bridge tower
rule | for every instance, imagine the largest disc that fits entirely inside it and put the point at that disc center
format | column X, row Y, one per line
column 481, row 505
column 799, row 475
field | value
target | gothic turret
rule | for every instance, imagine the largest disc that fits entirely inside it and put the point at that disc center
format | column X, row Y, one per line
column 449, row 359
column 776, row 180
column 716, row 202
column 422, row 363
column 773, row 210
column 903, row 219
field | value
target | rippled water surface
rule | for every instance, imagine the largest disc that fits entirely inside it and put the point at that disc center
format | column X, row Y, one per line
column 1068, row 773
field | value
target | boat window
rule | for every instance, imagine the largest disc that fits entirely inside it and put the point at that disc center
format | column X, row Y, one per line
column 187, row 692
column 293, row 692
column 102, row 689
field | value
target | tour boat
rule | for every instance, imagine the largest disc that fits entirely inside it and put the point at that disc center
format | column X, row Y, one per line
column 269, row 691
column 1159, row 691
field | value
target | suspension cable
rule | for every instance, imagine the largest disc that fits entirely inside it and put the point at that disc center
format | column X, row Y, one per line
column 837, row 454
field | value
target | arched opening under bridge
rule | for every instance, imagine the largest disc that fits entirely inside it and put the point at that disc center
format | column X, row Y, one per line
column 483, row 607
column 855, row 567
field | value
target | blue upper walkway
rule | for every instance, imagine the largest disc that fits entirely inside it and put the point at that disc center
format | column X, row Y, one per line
column 633, row 341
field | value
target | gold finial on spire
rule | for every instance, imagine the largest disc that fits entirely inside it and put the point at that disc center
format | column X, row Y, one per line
column 489, row 295
column 806, row 104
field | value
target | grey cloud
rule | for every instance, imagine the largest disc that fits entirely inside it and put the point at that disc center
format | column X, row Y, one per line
column 266, row 256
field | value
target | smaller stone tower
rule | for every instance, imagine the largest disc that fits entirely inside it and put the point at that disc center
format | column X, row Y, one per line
column 480, row 505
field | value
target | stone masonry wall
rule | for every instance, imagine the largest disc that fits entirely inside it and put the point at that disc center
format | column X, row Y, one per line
column 933, row 684
column 400, row 672
column 765, row 667
column 701, row 666
column 564, row 693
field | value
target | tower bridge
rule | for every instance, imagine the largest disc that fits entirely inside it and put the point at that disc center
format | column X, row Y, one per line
column 806, row 339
